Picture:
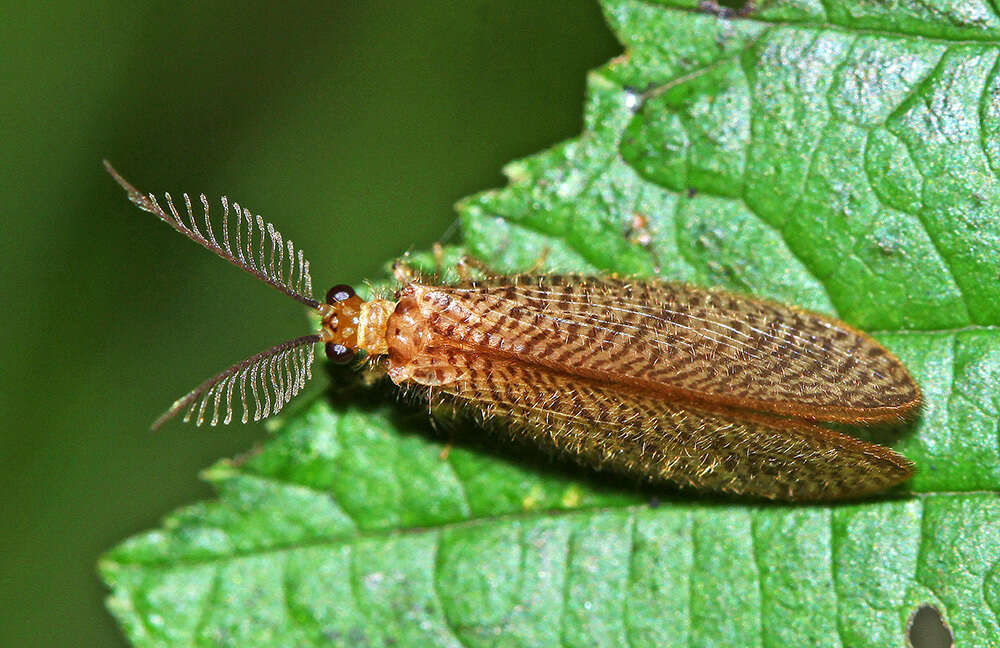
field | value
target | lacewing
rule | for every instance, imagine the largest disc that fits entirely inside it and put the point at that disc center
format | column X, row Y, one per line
column 662, row 381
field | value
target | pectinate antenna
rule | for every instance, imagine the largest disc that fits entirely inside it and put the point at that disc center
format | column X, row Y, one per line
column 259, row 249
column 277, row 375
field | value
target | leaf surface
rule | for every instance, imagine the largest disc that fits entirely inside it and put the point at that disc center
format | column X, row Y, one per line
column 838, row 156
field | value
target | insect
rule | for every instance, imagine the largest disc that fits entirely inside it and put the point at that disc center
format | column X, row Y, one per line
column 663, row 381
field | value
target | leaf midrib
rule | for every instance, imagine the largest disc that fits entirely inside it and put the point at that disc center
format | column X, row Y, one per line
column 362, row 535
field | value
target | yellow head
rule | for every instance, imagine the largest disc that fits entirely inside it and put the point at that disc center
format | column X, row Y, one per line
column 350, row 324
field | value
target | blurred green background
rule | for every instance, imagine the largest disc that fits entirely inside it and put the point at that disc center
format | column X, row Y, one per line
column 352, row 126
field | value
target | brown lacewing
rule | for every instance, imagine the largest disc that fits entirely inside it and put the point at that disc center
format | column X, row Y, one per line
column 663, row 381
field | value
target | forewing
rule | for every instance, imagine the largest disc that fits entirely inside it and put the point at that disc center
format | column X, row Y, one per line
column 683, row 341
column 638, row 433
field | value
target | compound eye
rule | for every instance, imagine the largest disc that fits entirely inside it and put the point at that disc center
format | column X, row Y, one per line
column 339, row 293
column 338, row 353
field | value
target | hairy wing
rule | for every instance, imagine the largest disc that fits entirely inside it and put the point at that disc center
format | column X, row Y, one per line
column 640, row 434
column 682, row 341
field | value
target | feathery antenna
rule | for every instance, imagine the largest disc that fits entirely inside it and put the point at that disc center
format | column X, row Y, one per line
column 281, row 371
column 275, row 375
column 264, row 260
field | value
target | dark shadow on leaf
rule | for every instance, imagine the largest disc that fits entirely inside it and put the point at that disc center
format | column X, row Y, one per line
column 885, row 434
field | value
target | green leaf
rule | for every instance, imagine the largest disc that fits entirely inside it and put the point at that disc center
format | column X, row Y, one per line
column 839, row 156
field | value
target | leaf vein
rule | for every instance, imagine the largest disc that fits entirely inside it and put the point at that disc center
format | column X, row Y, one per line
column 435, row 592
column 834, row 575
column 991, row 163
column 207, row 608
column 756, row 563
column 629, row 576
column 834, row 27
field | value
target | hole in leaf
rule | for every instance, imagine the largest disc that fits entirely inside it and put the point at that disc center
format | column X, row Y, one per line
column 928, row 630
column 735, row 5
